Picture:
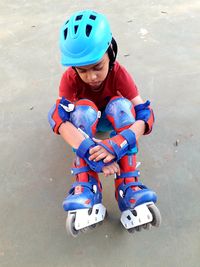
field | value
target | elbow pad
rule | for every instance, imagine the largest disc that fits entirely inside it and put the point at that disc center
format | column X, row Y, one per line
column 145, row 113
column 59, row 113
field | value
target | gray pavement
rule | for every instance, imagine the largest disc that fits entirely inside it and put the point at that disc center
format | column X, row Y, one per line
column 159, row 44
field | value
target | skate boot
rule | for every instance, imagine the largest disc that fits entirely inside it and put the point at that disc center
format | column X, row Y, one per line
column 135, row 200
column 83, row 203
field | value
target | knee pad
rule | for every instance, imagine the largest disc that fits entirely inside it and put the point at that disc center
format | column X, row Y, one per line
column 120, row 112
column 85, row 116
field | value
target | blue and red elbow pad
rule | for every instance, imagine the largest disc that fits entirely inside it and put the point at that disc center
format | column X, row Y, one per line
column 59, row 113
column 145, row 113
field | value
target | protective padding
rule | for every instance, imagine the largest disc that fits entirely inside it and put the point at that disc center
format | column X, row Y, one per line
column 145, row 112
column 85, row 116
column 84, row 38
column 120, row 144
column 120, row 112
column 83, row 152
column 57, row 115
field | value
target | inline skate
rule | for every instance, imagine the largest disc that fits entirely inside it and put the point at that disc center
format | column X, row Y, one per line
column 135, row 200
column 84, row 201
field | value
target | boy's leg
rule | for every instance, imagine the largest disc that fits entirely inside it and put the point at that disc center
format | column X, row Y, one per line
column 83, row 202
column 128, row 191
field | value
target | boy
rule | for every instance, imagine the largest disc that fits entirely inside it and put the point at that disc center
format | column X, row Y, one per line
column 97, row 94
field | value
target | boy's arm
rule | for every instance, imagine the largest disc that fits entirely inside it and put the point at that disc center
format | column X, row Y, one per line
column 74, row 138
column 139, row 126
column 70, row 134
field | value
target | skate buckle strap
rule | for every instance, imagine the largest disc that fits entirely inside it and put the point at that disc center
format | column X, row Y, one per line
column 128, row 185
column 75, row 171
column 135, row 173
column 83, row 184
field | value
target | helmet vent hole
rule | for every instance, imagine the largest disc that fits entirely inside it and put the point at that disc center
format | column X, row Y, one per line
column 92, row 17
column 75, row 29
column 79, row 17
column 88, row 30
column 66, row 22
column 65, row 33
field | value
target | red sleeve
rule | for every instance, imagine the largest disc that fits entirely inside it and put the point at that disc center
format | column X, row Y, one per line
column 68, row 86
column 125, row 84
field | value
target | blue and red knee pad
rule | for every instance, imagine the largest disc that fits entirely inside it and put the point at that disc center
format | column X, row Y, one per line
column 121, row 114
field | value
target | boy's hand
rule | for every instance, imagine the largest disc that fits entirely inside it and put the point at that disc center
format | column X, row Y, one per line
column 98, row 152
column 115, row 147
column 111, row 169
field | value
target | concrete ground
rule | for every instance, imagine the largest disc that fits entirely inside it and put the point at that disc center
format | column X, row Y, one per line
column 159, row 44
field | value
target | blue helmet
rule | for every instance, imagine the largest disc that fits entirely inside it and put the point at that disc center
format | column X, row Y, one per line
column 84, row 38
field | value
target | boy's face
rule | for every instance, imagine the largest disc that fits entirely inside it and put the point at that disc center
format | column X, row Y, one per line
column 94, row 74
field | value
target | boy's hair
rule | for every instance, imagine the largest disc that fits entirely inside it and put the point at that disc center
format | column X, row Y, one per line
column 112, row 52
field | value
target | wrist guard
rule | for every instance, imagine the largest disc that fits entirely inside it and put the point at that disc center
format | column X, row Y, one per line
column 120, row 144
column 83, row 152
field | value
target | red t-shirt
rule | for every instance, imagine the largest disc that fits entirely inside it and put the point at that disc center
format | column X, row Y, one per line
column 118, row 82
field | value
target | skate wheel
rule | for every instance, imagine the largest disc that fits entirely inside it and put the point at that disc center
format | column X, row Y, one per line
column 138, row 228
column 131, row 230
column 84, row 230
column 156, row 215
column 147, row 226
column 99, row 223
column 70, row 225
column 92, row 226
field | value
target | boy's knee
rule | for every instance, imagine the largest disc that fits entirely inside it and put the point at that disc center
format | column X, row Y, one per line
column 85, row 116
column 120, row 112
